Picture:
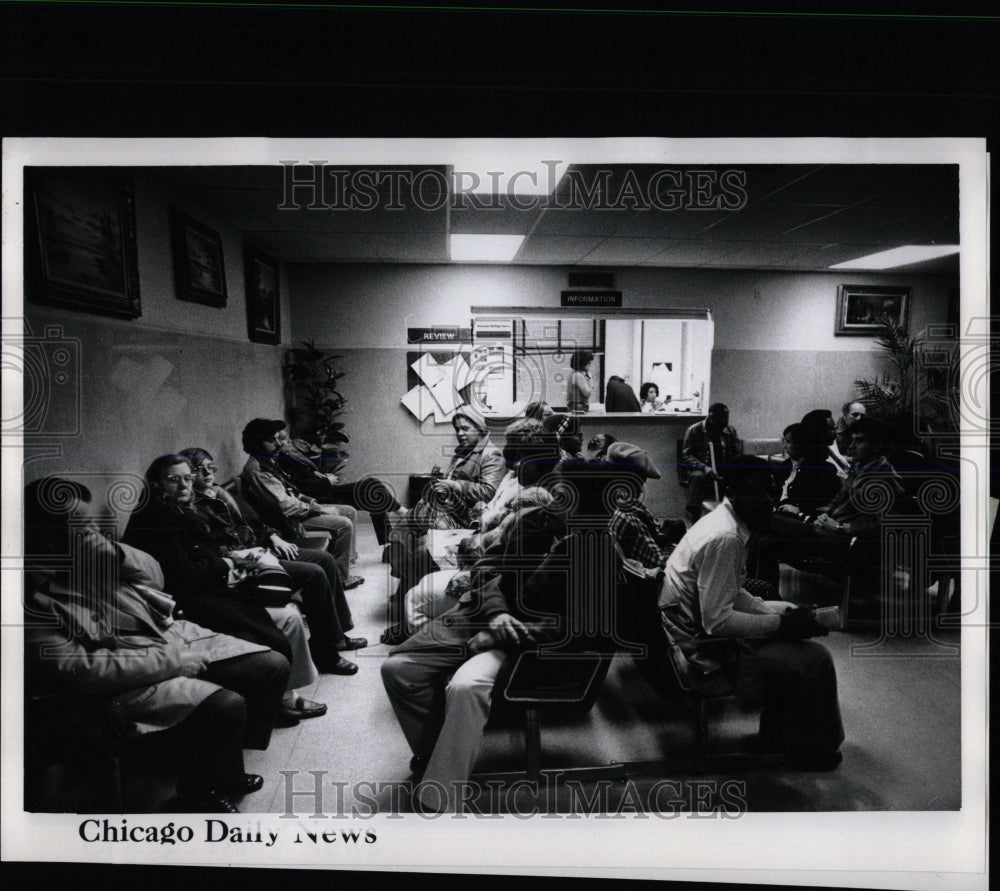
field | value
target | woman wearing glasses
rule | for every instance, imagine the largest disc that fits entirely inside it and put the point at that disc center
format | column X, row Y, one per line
column 167, row 526
column 314, row 573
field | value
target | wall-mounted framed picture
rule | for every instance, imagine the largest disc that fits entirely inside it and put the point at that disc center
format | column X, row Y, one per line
column 199, row 267
column 80, row 245
column 263, row 297
column 864, row 309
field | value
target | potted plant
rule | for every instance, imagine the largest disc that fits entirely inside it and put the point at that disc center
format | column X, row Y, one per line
column 919, row 389
column 316, row 406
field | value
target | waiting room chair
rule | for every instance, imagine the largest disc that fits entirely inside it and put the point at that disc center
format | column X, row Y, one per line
column 683, row 670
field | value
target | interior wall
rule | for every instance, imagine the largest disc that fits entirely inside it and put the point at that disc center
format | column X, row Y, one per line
column 775, row 353
column 180, row 375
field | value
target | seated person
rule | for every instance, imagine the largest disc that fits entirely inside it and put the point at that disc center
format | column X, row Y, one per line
column 112, row 634
column 281, row 505
column 702, row 594
column 849, row 413
column 313, row 573
column 619, row 396
column 567, row 429
column 538, row 411
column 649, row 397
column 167, row 526
column 847, row 515
column 519, row 490
column 597, row 446
column 822, row 428
column 369, row 494
column 808, row 480
column 633, row 527
column 440, row 681
column 696, row 455
column 473, row 475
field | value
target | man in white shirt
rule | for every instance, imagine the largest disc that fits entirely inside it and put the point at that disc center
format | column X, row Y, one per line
column 703, row 594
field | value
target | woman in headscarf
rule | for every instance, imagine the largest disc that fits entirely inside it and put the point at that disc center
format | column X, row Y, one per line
column 475, row 471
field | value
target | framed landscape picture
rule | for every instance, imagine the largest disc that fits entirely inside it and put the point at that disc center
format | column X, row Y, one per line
column 199, row 267
column 863, row 309
column 80, row 246
column 263, row 297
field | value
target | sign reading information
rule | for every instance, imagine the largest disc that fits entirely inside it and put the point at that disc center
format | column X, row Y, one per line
column 591, row 298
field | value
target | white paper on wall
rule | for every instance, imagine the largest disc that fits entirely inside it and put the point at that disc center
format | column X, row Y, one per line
column 419, row 402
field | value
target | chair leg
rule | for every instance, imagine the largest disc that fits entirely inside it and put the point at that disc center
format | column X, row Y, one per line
column 533, row 743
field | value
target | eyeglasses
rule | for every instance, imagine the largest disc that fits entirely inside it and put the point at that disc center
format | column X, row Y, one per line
column 206, row 469
column 176, row 479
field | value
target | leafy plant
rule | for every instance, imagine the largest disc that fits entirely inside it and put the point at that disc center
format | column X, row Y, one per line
column 317, row 405
column 920, row 384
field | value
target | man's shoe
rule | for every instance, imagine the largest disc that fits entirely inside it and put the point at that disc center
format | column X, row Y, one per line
column 353, row 643
column 286, row 717
column 393, row 636
column 303, row 709
column 341, row 666
column 353, row 581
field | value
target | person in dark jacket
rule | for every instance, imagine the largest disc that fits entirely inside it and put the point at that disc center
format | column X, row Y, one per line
column 170, row 529
column 440, row 680
column 313, row 572
column 368, row 494
column 619, row 396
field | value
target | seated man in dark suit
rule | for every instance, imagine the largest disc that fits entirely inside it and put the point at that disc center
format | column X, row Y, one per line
column 108, row 630
column 808, row 481
column 696, row 454
column 856, row 511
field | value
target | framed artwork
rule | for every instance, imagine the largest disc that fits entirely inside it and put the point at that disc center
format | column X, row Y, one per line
column 263, row 306
column 863, row 309
column 199, row 268
column 80, row 246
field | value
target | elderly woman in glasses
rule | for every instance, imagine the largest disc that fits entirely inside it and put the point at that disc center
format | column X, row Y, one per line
column 167, row 526
column 314, row 573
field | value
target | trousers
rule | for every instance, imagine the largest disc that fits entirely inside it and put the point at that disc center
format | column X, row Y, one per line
column 316, row 576
column 442, row 716
column 341, row 530
column 261, row 679
column 801, row 709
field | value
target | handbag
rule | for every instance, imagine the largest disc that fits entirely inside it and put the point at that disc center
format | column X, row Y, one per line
column 267, row 584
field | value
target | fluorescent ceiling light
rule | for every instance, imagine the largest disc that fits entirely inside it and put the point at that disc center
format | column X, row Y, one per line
column 484, row 248
column 901, row 256
column 507, row 177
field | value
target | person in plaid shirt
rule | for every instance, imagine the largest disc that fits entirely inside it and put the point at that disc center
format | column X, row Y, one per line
column 632, row 525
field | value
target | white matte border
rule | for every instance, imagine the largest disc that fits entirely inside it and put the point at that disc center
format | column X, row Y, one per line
column 862, row 849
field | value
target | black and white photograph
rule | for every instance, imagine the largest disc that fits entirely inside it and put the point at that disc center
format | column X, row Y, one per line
column 437, row 550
